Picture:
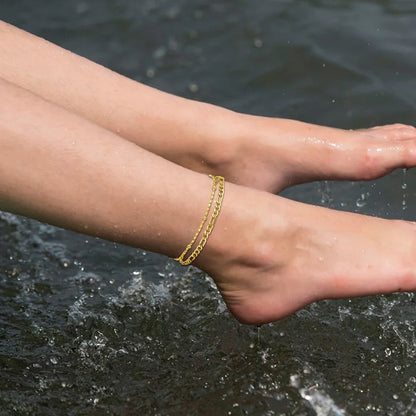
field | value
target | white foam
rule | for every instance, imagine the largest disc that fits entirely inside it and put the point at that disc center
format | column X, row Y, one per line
column 320, row 401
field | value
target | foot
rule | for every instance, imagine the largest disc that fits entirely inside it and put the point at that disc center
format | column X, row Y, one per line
column 270, row 256
column 273, row 154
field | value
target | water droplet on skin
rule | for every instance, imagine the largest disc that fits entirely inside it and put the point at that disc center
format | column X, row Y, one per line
column 387, row 351
column 54, row 360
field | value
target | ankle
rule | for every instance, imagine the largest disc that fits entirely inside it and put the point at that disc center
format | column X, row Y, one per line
column 258, row 255
column 236, row 230
column 252, row 237
column 220, row 143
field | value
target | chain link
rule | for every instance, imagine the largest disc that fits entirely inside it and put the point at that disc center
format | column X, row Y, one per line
column 218, row 182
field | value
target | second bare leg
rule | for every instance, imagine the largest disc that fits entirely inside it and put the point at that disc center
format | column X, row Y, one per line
column 264, row 153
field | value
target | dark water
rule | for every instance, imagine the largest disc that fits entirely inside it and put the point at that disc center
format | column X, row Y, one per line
column 88, row 327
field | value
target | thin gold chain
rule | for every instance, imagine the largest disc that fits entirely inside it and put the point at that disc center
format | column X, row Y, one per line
column 218, row 182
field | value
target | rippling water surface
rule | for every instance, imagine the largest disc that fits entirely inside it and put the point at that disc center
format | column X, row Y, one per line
column 88, row 327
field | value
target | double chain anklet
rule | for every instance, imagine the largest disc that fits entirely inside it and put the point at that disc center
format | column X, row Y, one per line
column 218, row 182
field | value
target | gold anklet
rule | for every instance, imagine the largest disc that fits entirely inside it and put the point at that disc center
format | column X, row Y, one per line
column 218, row 181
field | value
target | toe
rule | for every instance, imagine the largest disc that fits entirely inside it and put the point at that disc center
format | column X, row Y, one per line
column 381, row 157
column 396, row 131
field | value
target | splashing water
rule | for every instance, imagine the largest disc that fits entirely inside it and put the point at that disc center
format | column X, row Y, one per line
column 404, row 188
column 363, row 198
column 325, row 193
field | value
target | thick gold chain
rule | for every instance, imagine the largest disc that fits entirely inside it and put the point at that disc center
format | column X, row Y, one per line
column 218, row 182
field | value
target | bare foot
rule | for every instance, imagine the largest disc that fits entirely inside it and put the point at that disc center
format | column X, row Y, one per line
column 273, row 154
column 270, row 256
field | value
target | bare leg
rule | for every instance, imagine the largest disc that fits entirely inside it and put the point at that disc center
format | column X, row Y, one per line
column 269, row 154
column 189, row 133
column 269, row 256
column 60, row 168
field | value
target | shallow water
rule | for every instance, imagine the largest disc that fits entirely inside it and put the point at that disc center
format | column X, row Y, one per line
column 88, row 327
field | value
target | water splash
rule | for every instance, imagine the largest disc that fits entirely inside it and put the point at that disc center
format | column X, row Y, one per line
column 325, row 193
column 319, row 400
column 362, row 199
column 404, row 188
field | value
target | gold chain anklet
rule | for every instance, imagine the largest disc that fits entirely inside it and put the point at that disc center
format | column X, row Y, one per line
column 218, row 182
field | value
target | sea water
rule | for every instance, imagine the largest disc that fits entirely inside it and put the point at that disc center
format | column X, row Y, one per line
column 88, row 327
